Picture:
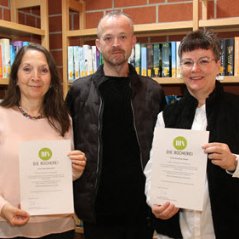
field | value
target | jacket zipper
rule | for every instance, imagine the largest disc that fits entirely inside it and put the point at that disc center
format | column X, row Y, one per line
column 99, row 148
column 136, row 133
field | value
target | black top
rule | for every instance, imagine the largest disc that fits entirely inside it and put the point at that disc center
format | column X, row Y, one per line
column 121, row 188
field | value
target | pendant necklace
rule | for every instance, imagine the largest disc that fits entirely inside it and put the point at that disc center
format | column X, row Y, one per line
column 25, row 114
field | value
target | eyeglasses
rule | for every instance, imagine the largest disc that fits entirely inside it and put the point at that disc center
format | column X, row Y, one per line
column 202, row 62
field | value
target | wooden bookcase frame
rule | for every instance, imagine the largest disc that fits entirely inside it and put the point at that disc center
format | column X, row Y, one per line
column 12, row 28
column 166, row 28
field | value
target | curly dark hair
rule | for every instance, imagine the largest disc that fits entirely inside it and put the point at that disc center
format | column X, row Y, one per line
column 200, row 39
column 54, row 107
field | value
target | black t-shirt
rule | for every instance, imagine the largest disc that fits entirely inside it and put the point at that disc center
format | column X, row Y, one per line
column 121, row 187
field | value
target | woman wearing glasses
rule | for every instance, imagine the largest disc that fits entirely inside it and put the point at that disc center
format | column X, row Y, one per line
column 204, row 106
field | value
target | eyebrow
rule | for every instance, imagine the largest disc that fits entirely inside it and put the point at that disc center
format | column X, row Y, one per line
column 188, row 58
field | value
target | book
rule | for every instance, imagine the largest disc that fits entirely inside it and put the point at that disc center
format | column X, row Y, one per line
column 222, row 71
column 166, row 59
column 178, row 74
column 99, row 58
column 25, row 43
column 132, row 57
column 1, row 75
column 94, row 58
column 87, row 60
column 173, row 59
column 150, row 59
column 70, row 63
column 137, row 58
column 157, row 60
column 170, row 99
column 230, row 56
column 143, row 60
column 236, row 56
column 76, row 62
column 12, row 54
column 6, row 57
column 17, row 45
column 82, row 62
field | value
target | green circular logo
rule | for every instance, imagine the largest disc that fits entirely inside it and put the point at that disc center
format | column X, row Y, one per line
column 45, row 154
column 180, row 143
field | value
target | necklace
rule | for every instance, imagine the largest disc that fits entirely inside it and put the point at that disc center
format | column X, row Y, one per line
column 25, row 114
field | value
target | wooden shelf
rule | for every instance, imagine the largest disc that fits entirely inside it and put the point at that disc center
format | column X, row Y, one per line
column 230, row 79
column 179, row 81
column 173, row 81
column 168, row 80
column 12, row 29
column 161, row 28
column 221, row 23
column 4, row 81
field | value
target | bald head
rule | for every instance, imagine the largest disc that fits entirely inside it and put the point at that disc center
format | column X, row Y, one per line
column 110, row 15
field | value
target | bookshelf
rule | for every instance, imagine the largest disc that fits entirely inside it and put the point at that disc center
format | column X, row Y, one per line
column 228, row 24
column 167, row 28
column 13, row 30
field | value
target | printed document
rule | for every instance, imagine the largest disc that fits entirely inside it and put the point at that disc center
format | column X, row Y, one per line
column 178, row 167
column 46, row 177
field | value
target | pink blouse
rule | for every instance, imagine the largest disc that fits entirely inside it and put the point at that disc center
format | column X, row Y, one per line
column 14, row 129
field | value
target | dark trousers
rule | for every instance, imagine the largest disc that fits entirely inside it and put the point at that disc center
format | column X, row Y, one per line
column 118, row 231
column 63, row 235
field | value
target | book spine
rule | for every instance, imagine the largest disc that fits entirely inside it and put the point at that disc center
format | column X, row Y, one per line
column 150, row 59
column 1, row 73
column 6, row 57
column 12, row 54
column 94, row 58
column 230, row 57
column 173, row 59
column 178, row 61
column 143, row 60
column 236, row 56
column 222, row 71
column 76, row 62
column 137, row 53
column 156, row 60
column 166, row 59
column 132, row 57
column 70, row 63
column 89, row 61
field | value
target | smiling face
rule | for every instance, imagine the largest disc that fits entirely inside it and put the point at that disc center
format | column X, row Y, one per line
column 115, row 40
column 33, row 76
column 200, row 77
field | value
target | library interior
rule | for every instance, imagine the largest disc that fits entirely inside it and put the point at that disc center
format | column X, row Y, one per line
column 67, row 28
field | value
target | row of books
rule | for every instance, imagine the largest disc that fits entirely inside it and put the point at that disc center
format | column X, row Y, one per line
column 229, row 57
column 150, row 59
column 147, row 59
column 153, row 60
column 161, row 59
column 82, row 61
column 8, row 51
column 156, row 59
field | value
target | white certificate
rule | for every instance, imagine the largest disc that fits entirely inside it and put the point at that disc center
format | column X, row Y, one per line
column 178, row 167
column 46, row 177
